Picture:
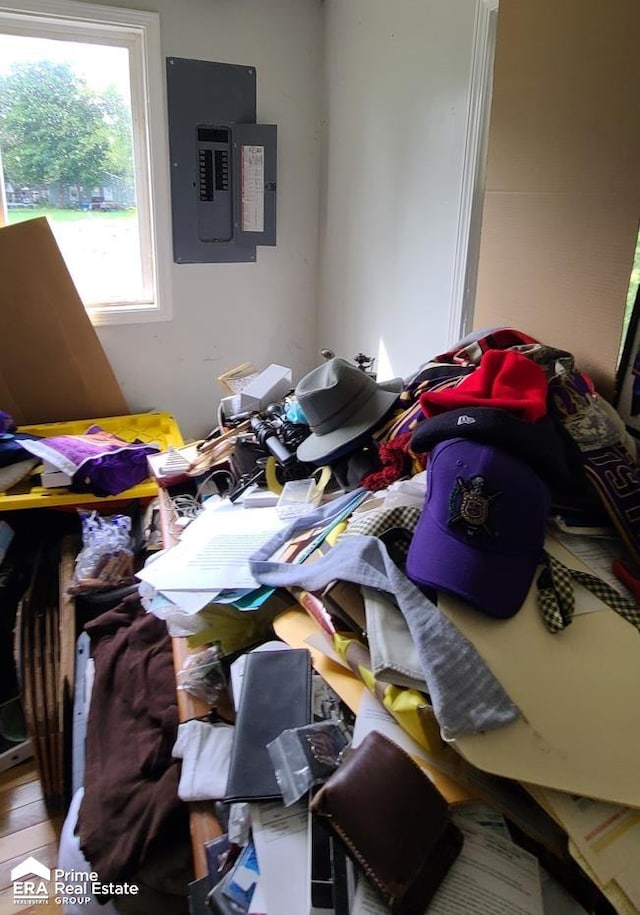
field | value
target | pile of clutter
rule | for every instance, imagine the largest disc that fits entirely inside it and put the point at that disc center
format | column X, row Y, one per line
column 509, row 431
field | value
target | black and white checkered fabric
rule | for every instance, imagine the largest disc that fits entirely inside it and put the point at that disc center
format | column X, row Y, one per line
column 377, row 521
column 394, row 527
column 556, row 600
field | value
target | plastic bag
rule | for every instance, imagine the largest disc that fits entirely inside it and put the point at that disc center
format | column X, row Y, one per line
column 106, row 558
column 202, row 675
column 306, row 756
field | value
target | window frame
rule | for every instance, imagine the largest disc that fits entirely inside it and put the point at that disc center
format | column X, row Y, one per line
column 139, row 31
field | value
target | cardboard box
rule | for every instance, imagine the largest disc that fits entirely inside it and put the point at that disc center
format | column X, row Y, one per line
column 52, row 365
column 268, row 387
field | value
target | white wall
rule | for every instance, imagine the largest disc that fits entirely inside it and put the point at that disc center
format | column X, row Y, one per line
column 231, row 313
column 397, row 79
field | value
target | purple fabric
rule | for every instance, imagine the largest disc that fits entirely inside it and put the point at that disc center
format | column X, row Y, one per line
column 111, row 474
column 481, row 532
column 97, row 461
column 6, row 422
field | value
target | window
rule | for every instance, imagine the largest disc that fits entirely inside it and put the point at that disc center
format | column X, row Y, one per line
column 627, row 393
column 82, row 142
column 634, row 284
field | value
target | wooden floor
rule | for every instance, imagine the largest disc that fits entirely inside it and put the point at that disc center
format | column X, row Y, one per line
column 25, row 829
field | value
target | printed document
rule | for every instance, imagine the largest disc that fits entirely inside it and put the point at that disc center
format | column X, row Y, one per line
column 491, row 875
column 606, row 835
column 282, row 840
column 216, row 553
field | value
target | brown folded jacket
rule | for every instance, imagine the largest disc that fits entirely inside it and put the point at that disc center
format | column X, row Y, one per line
column 394, row 823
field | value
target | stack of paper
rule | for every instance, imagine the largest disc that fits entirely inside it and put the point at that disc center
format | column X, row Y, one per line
column 211, row 562
column 605, row 841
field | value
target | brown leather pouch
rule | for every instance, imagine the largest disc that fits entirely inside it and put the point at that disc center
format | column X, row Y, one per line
column 393, row 821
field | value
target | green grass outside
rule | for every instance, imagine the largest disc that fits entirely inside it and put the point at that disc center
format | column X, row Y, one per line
column 633, row 285
column 55, row 214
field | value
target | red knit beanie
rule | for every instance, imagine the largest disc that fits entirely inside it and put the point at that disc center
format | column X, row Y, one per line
column 504, row 379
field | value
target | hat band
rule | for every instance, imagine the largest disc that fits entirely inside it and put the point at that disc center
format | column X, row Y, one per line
column 338, row 418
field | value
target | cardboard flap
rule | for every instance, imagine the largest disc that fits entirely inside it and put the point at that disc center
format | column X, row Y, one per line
column 52, row 364
column 577, row 690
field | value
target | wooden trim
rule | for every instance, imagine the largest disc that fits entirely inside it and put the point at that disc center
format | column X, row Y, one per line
column 473, row 171
column 203, row 824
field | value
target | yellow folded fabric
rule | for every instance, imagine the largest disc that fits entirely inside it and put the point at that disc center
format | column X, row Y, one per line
column 402, row 703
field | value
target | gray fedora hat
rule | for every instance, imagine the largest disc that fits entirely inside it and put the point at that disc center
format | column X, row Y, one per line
column 340, row 403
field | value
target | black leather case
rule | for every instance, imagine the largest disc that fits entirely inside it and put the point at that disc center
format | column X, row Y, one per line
column 276, row 695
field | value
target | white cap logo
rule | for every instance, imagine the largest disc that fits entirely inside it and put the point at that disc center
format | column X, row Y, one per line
column 465, row 420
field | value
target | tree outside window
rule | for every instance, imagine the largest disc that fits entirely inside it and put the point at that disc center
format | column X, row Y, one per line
column 82, row 142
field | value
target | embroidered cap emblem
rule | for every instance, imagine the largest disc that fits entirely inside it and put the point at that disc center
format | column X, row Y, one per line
column 470, row 505
column 465, row 420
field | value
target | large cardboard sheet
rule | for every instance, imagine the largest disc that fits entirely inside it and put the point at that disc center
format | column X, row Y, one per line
column 577, row 689
column 562, row 190
column 52, row 365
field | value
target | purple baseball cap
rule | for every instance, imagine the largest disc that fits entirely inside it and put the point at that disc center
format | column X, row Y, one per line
column 481, row 532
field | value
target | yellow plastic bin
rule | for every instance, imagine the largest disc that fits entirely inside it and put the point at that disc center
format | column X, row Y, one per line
column 157, row 428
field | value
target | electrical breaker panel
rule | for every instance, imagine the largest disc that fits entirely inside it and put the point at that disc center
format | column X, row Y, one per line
column 223, row 164
column 215, row 200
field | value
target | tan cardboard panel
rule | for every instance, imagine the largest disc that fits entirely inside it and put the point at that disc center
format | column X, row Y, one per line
column 577, row 690
column 558, row 267
column 566, row 87
column 561, row 213
column 52, row 365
